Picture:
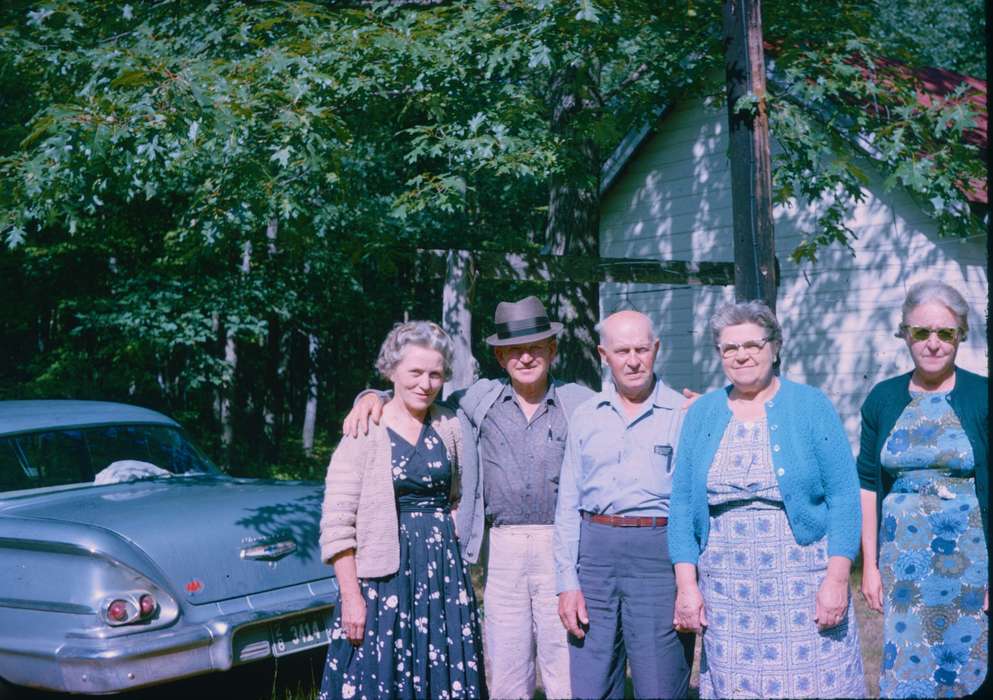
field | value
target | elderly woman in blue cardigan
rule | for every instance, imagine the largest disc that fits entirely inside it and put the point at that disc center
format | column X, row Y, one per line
column 924, row 470
column 764, row 525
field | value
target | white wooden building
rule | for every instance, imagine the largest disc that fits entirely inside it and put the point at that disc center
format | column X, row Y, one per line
column 670, row 199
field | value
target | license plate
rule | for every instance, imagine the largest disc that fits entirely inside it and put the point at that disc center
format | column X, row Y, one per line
column 299, row 633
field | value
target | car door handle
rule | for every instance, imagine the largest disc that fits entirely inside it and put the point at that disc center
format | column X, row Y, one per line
column 270, row 551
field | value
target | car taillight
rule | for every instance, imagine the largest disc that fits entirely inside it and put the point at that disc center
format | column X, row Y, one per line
column 146, row 605
column 117, row 611
column 128, row 608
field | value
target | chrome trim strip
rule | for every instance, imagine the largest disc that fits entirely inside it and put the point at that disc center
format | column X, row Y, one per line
column 47, row 606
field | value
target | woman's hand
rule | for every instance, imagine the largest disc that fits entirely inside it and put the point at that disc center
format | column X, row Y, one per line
column 831, row 602
column 872, row 588
column 353, row 618
column 689, row 614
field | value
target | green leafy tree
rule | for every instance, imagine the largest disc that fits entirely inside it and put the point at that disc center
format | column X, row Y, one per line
column 214, row 206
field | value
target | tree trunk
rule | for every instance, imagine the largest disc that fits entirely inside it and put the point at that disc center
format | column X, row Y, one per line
column 215, row 324
column 456, row 318
column 272, row 391
column 227, row 397
column 573, row 229
column 310, row 413
column 231, row 360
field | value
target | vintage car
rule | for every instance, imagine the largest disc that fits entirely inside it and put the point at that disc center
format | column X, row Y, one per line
column 130, row 560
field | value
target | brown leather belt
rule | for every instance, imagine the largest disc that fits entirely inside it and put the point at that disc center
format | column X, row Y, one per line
column 625, row 520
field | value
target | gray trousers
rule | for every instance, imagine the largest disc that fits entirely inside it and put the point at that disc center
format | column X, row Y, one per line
column 629, row 586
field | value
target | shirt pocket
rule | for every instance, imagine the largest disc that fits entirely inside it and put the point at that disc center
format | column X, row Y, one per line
column 661, row 458
column 553, row 452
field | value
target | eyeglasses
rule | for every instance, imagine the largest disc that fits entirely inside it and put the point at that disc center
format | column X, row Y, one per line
column 751, row 347
column 921, row 333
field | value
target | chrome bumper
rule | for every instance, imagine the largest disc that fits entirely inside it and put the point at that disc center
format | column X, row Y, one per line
column 97, row 666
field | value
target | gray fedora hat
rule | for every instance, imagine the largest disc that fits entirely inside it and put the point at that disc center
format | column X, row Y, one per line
column 521, row 322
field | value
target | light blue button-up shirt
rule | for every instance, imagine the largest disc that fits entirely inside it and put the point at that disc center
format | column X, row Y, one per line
column 615, row 466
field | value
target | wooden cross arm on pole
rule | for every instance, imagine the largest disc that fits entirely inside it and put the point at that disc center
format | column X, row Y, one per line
column 497, row 265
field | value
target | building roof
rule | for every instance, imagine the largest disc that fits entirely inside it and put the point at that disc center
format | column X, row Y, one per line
column 26, row 416
column 935, row 84
column 939, row 84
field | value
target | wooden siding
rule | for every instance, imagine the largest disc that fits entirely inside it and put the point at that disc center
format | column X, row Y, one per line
column 673, row 201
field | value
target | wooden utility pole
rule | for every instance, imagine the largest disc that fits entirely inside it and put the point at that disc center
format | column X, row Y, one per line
column 751, row 172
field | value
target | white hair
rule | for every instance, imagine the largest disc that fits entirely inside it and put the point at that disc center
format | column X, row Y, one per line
column 425, row 334
column 935, row 292
column 735, row 314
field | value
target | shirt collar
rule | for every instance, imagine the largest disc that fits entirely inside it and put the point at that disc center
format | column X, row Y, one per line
column 549, row 398
column 659, row 396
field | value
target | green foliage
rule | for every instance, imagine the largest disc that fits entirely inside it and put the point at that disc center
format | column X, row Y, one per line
column 180, row 175
column 942, row 34
column 867, row 107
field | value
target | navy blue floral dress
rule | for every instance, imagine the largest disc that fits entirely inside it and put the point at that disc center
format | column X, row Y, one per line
column 422, row 636
column 932, row 557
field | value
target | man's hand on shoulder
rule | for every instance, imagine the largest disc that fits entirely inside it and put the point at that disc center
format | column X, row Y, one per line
column 369, row 407
column 691, row 396
column 572, row 612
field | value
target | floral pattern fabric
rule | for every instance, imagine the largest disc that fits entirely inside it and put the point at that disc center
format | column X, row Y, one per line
column 932, row 557
column 759, row 587
column 422, row 634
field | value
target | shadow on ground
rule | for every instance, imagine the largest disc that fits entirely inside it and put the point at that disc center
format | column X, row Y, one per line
column 290, row 678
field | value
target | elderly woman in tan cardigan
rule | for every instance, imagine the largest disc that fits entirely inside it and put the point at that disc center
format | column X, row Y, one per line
column 406, row 624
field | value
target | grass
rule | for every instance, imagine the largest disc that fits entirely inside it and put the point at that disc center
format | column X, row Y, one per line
column 870, row 637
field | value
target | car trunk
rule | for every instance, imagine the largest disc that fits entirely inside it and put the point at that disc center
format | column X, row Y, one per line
column 203, row 532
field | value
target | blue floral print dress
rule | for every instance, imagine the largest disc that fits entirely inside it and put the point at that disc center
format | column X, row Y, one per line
column 759, row 588
column 422, row 636
column 932, row 557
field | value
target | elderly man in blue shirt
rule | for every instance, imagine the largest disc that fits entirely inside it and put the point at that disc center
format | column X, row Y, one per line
column 614, row 578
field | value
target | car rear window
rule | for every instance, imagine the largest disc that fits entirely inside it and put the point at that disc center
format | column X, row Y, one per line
column 70, row 456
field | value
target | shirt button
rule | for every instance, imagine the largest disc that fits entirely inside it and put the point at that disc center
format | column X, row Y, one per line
column 781, row 471
column 770, row 404
column 775, row 448
column 773, row 426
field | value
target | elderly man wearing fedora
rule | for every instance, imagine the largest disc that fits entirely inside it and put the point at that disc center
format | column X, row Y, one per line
column 519, row 426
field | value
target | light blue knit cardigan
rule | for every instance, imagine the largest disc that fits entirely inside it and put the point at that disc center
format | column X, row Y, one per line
column 811, row 458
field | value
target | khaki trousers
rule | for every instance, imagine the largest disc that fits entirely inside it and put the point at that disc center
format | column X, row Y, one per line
column 520, row 614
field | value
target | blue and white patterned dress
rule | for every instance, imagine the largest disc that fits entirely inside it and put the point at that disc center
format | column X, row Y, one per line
column 422, row 635
column 759, row 588
column 932, row 557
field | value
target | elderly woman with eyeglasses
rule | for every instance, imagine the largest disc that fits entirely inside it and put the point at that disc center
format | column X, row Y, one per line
column 924, row 469
column 764, row 525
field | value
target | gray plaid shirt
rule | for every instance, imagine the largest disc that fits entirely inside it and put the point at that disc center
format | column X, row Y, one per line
column 522, row 460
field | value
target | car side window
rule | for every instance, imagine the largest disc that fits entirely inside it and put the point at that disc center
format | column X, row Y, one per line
column 169, row 450
column 116, row 442
column 12, row 474
column 56, row 457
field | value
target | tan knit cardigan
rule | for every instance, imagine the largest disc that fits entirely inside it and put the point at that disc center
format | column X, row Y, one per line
column 359, row 510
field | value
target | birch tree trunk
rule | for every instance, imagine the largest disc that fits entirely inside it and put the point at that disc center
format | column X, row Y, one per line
column 310, row 412
column 456, row 318
column 231, row 360
column 271, row 393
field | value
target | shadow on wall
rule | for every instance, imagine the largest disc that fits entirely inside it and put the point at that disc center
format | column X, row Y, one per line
column 839, row 314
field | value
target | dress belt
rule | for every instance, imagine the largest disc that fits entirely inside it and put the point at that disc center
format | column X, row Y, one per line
column 625, row 520
column 423, row 508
